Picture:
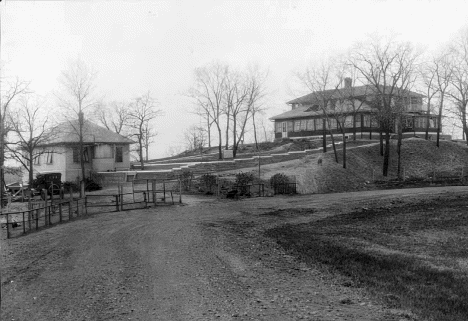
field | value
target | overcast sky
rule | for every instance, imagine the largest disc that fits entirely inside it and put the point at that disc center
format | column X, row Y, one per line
column 136, row 46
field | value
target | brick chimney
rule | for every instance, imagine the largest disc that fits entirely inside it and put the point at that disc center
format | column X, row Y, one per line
column 348, row 82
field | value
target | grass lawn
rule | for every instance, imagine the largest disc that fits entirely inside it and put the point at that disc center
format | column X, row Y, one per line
column 412, row 257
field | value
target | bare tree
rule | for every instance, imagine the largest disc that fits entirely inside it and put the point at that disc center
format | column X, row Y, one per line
column 31, row 127
column 149, row 134
column 256, row 89
column 195, row 138
column 77, row 96
column 113, row 116
column 388, row 67
column 458, row 91
column 14, row 89
column 209, row 92
column 142, row 111
column 320, row 80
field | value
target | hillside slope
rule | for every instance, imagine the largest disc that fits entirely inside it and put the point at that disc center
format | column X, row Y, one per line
column 364, row 165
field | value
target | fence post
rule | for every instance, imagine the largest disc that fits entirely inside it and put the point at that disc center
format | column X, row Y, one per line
column 7, row 226
column 117, row 208
column 86, row 204
column 180, row 191
column 60, row 211
column 44, row 192
column 78, row 207
column 70, row 204
column 153, row 188
column 164, row 191
column 38, row 211
column 121, row 198
column 144, row 199
column 24, row 225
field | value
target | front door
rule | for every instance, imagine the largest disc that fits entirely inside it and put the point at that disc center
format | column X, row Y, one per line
column 284, row 130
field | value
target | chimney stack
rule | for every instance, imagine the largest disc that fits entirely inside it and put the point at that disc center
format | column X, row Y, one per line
column 348, row 82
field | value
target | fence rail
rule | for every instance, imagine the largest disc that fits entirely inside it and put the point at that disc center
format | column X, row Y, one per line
column 41, row 214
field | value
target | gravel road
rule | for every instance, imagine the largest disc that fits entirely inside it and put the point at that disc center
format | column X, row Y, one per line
column 204, row 260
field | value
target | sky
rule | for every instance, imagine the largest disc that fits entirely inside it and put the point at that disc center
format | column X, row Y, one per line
column 140, row 46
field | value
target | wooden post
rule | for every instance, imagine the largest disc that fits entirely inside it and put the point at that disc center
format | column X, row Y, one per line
column 78, row 207
column 86, row 205
column 117, row 207
column 60, row 211
column 44, row 192
column 180, row 191
column 153, row 187
column 164, row 191
column 70, row 203
column 82, row 189
column 121, row 197
column 144, row 199
column 38, row 211
column 24, row 224
column 29, row 208
column 7, row 226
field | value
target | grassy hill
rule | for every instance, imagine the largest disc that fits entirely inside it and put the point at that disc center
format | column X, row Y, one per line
column 364, row 165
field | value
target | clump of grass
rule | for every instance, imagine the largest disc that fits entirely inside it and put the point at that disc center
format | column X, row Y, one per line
column 379, row 250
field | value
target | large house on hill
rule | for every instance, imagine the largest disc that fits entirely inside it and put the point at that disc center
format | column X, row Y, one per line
column 306, row 118
column 104, row 150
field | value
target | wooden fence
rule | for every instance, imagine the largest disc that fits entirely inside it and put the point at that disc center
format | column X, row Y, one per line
column 46, row 213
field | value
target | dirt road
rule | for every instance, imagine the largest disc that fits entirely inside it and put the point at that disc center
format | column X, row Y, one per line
column 206, row 260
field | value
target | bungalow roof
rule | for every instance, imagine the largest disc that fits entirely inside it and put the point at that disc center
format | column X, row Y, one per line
column 67, row 133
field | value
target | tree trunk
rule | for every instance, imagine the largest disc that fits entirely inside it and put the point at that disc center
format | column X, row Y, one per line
column 344, row 149
column 427, row 119
column 220, row 143
column 334, row 147
column 400, row 139
column 439, row 119
column 386, row 153
column 381, row 142
column 324, row 138
column 228, row 116
column 140, row 151
column 255, row 131
column 234, row 138
column 31, row 169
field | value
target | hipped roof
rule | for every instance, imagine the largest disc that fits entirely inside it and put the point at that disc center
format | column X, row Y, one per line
column 68, row 133
column 356, row 91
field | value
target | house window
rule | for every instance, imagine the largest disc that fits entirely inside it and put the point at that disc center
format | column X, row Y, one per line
column 36, row 159
column 332, row 123
column 374, row 123
column 118, row 154
column 278, row 127
column 49, row 157
column 357, row 119
column 310, row 125
column 348, row 123
column 366, row 120
column 297, row 125
column 303, row 124
column 319, row 124
column 76, row 153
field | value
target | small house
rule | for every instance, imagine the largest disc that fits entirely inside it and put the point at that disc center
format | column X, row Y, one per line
column 103, row 150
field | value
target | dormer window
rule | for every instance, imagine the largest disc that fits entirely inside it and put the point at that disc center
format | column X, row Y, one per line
column 313, row 108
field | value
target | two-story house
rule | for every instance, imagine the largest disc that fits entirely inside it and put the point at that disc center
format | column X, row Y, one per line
column 355, row 106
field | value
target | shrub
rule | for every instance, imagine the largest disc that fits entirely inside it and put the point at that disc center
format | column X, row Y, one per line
column 279, row 179
column 243, row 179
column 208, row 181
column 186, row 180
column 70, row 186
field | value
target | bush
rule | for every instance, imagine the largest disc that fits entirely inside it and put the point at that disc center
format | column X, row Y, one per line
column 208, row 181
column 243, row 179
column 70, row 186
column 279, row 179
column 186, row 179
